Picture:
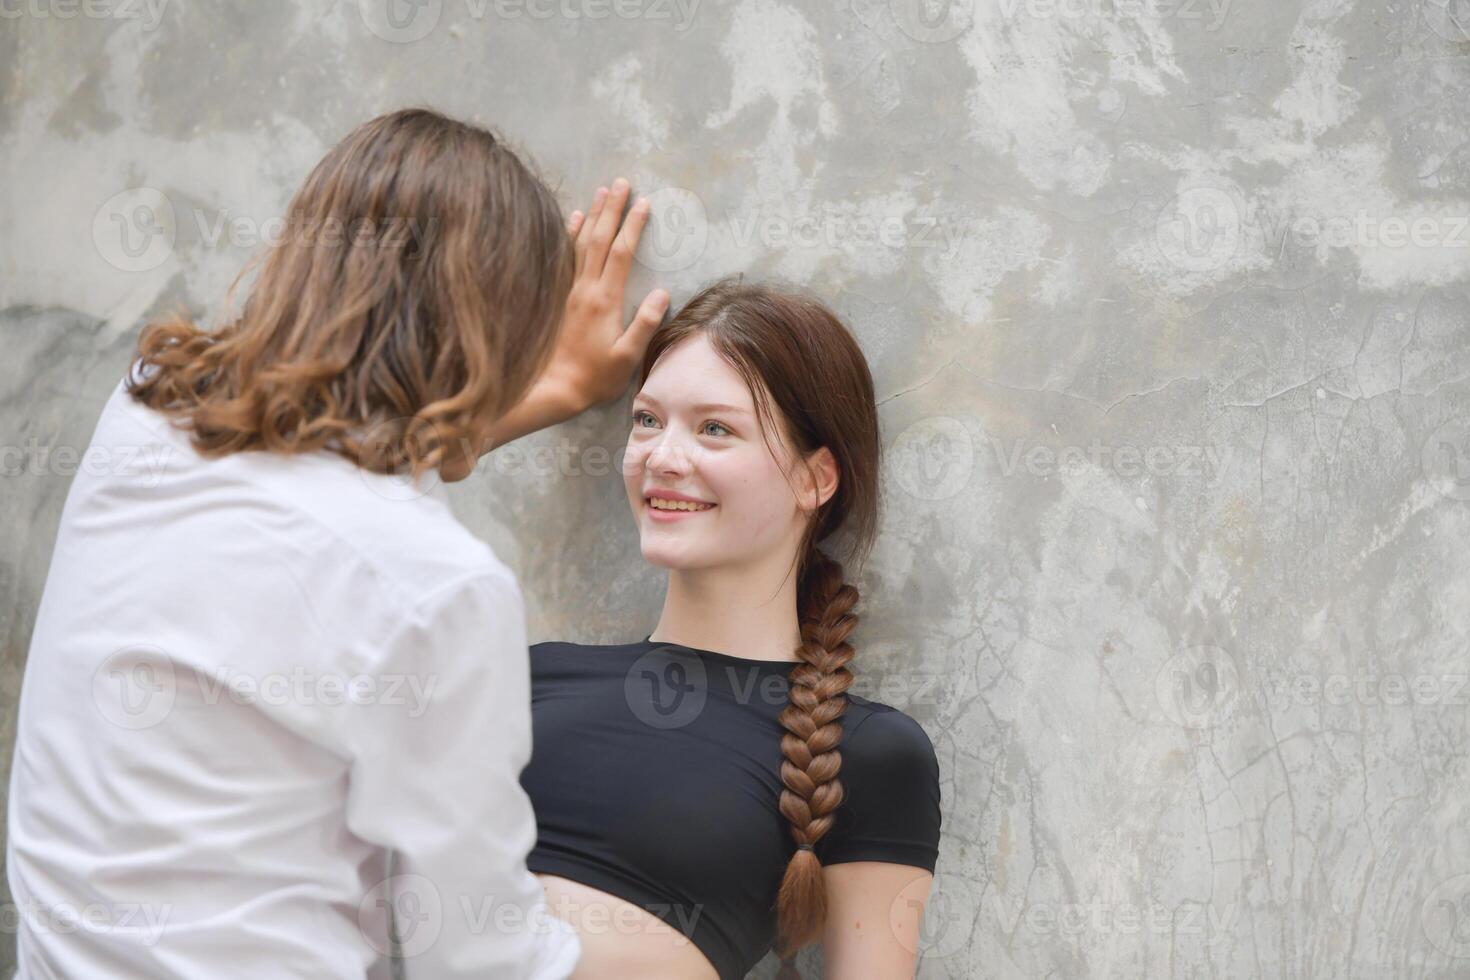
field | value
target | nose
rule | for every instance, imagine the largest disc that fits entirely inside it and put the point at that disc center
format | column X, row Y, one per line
column 670, row 455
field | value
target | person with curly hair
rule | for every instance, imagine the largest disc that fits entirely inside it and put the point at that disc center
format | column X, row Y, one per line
column 271, row 657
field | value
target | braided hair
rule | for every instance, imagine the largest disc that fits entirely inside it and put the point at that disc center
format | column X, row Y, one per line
column 811, row 760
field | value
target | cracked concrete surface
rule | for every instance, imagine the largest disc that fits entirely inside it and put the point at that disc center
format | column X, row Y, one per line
column 1168, row 307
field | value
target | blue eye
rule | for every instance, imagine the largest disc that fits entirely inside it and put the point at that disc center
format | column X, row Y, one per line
column 640, row 414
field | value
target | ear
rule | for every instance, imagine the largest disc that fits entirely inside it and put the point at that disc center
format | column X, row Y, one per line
column 821, row 478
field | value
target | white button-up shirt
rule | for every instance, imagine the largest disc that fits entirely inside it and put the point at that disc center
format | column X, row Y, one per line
column 251, row 679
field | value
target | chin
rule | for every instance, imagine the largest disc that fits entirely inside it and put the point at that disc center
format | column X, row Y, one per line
column 660, row 557
column 663, row 556
column 455, row 472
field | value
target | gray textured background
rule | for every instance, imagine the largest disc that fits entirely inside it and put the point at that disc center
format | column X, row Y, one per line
column 1167, row 305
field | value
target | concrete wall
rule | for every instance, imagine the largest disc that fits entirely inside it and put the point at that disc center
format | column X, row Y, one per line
column 1168, row 307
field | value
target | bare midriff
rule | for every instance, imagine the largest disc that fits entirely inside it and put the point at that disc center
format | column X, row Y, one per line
column 620, row 939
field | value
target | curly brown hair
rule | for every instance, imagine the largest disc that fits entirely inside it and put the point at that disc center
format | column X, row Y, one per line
column 411, row 300
column 794, row 352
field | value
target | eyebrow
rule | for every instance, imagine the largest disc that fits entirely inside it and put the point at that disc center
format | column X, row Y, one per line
column 705, row 407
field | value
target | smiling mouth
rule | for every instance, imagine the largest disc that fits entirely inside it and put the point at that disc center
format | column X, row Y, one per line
column 675, row 506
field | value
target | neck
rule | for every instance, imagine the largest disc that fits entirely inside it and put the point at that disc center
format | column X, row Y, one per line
column 741, row 610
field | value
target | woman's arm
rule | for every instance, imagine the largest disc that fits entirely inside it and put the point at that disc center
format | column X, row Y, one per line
column 548, row 403
column 594, row 355
column 874, row 912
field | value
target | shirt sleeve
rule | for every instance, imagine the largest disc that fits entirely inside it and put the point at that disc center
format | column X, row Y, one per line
column 435, row 776
column 890, row 807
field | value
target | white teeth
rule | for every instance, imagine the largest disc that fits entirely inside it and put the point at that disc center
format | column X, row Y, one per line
column 660, row 503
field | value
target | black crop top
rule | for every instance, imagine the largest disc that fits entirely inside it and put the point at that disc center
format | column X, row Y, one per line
column 655, row 776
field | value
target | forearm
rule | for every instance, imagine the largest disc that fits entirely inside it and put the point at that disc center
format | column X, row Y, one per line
column 546, row 404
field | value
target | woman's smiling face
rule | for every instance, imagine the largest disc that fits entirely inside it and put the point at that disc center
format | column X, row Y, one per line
column 695, row 434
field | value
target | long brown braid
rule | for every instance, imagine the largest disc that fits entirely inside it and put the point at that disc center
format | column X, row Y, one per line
column 813, row 723
column 811, row 383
